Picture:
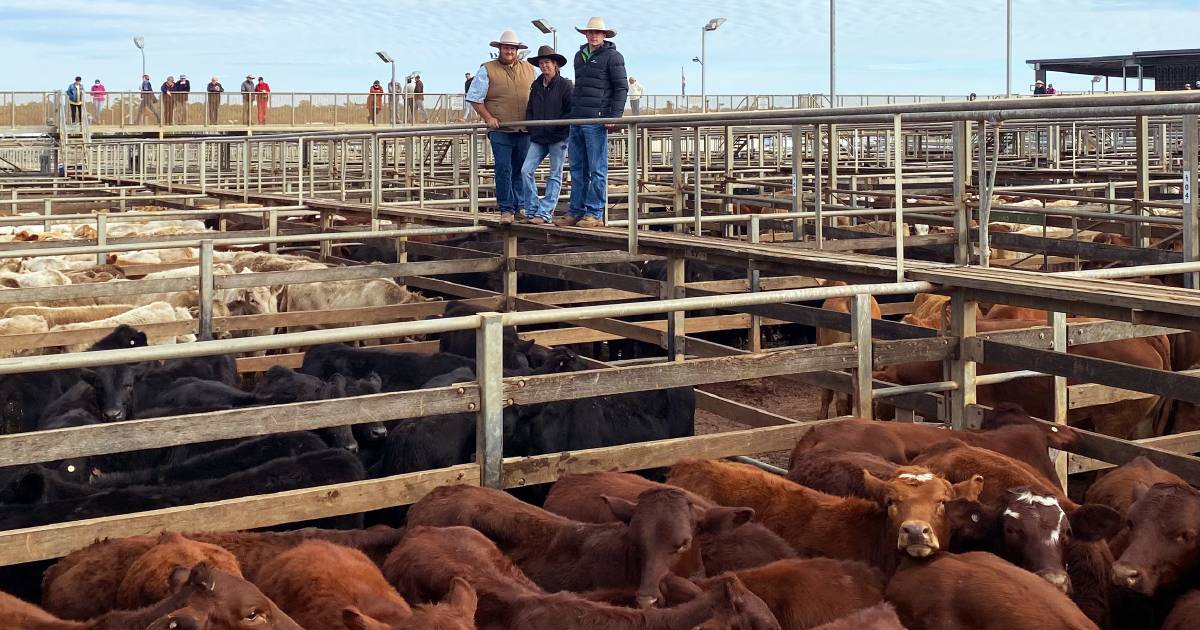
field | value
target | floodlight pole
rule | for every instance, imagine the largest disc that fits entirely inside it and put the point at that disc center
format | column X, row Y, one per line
column 1008, row 55
column 833, row 53
column 703, row 71
column 392, row 89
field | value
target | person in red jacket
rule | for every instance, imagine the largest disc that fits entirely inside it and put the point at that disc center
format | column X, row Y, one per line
column 99, row 95
column 374, row 102
column 263, row 90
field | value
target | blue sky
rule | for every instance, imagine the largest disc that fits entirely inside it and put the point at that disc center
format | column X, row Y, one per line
column 766, row 47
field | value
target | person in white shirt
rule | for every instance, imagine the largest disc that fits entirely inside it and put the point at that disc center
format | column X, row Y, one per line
column 635, row 96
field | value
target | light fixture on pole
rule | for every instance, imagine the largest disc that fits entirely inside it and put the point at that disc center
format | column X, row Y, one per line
column 140, row 42
column 712, row 25
column 392, row 87
column 544, row 26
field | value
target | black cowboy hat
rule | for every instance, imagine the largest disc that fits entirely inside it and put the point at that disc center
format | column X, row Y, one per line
column 547, row 52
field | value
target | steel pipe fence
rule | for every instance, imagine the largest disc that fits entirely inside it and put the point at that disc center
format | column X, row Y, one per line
column 353, row 167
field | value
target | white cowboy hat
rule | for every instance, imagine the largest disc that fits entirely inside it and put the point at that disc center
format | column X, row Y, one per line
column 509, row 38
column 597, row 24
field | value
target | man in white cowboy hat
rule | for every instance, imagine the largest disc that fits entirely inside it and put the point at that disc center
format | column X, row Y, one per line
column 601, row 87
column 1039, row 88
column 499, row 93
column 549, row 99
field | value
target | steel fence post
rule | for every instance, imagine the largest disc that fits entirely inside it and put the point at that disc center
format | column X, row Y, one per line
column 206, row 289
column 489, row 425
column 860, row 333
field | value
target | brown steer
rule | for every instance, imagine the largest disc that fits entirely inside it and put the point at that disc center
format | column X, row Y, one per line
column 722, row 548
column 908, row 514
column 900, row 442
column 202, row 598
column 654, row 538
column 979, row 591
column 323, row 585
column 99, row 568
column 424, row 563
column 1164, row 539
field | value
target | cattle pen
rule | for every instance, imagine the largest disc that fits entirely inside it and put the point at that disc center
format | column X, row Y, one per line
column 784, row 197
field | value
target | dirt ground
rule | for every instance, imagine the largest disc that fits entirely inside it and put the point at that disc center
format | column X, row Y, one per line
column 784, row 395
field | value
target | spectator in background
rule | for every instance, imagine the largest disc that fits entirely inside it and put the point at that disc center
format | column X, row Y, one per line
column 635, row 96
column 247, row 90
column 183, row 89
column 499, row 93
column 1197, row 85
column 264, row 99
column 395, row 90
column 374, row 102
column 1039, row 88
column 1187, row 86
column 971, row 96
column 549, row 99
column 419, row 99
column 99, row 96
column 75, row 99
column 214, row 90
column 468, row 112
column 1050, row 91
column 168, row 99
column 601, row 87
column 408, row 99
column 147, row 101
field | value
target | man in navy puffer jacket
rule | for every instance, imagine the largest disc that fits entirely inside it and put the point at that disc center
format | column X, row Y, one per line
column 601, row 87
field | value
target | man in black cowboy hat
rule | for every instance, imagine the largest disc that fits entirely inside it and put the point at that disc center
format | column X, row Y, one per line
column 549, row 99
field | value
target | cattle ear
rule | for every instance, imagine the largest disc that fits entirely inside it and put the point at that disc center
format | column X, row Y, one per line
column 353, row 619
column 1094, row 522
column 969, row 489
column 463, row 597
column 679, row 590
column 621, row 508
column 875, row 487
column 1137, row 491
column 88, row 376
column 722, row 519
column 202, row 577
column 178, row 577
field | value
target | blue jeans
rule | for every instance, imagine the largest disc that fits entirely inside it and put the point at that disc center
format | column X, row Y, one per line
column 509, row 151
column 543, row 207
column 589, row 171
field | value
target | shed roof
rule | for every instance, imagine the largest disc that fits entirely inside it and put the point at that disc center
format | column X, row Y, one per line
column 1112, row 65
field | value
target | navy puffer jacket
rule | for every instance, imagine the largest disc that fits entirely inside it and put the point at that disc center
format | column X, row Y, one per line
column 601, row 85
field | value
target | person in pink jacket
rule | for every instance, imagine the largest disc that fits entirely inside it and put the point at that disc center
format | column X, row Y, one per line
column 99, row 95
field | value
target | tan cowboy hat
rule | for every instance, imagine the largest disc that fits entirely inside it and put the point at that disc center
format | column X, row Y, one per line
column 597, row 24
column 509, row 38
column 547, row 52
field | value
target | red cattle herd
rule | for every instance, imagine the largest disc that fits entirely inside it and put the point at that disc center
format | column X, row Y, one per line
column 876, row 526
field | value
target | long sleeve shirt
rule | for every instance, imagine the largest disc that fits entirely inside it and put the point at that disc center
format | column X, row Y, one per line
column 479, row 86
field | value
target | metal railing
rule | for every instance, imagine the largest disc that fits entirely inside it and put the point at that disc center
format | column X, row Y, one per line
column 38, row 110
